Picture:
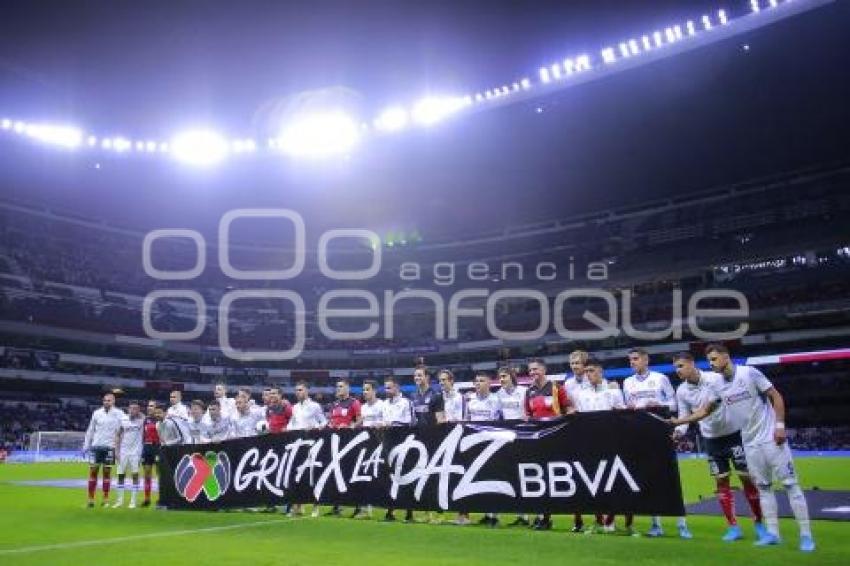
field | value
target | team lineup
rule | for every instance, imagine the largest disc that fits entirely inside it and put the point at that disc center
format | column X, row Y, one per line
column 739, row 413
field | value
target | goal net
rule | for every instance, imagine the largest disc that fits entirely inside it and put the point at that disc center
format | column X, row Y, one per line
column 56, row 445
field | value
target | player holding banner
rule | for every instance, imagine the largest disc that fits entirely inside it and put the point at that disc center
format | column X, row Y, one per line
column 722, row 439
column 648, row 389
column 100, row 444
column 129, row 451
column 750, row 400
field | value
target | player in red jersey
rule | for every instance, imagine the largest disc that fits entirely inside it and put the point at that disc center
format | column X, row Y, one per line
column 544, row 399
column 150, row 449
column 278, row 411
column 345, row 411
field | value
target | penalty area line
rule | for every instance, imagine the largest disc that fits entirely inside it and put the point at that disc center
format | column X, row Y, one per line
column 161, row 534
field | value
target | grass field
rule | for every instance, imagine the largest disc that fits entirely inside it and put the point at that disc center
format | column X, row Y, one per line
column 41, row 525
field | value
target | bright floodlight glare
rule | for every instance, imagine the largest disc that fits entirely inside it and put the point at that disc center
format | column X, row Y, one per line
column 150, row 146
column 65, row 136
column 120, row 144
column 544, row 75
column 525, row 84
column 754, row 4
column 92, row 141
column 774, row 3
column 199, row 147
column 7, row 124
column 608, row 55
column 430, row 110
column 657, row 37
column 706, row 22
column 691, row 28
column 19, row 127
column 647, row 45
column 392, row 119
column 319, row 135
column 583, row 63
column 721, row 15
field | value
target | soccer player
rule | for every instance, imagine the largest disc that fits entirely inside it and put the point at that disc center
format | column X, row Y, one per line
column 100, row 444
column 196, row 424
column 371, row 416
column 573, row 384
column 306, row 415
column 129, row 451
column 597, row 395
column 344, row 412
column 748, row 397
column 512, row 401
column 429, row 409
column 227, row 405
column 544, row 400
column 722, row 440
column 245, row 423
column 483, row 405
column 398, row 411
column 453, row 402
column 172, row 430
column 218, row 427
column 278, row 411
column 176, row 408
column 647, row 389
column 150, row 449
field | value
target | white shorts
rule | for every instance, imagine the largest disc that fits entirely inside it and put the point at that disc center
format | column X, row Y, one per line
column 129, row 463
column 768, row 463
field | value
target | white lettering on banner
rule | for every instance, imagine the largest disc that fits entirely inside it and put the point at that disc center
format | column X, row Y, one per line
column 533, row 479
column 467, row 486
column 312, row 461
column 336, row 459
column 397, row 456
column 531, row 474
column 373, row 462
column 292, row 450
column 251, row 456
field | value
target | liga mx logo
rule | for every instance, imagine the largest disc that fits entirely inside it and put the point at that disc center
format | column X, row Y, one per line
column 208, row 473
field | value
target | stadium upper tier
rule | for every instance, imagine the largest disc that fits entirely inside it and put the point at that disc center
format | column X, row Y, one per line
column 66, row 271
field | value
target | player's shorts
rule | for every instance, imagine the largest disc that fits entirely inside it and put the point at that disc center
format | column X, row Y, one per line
column 102, row 455
column 723, row 449
column 150, row 453
column 768, row 463
column 129, row 463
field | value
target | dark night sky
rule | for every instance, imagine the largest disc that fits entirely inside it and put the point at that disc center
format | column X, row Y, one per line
column 144, row 69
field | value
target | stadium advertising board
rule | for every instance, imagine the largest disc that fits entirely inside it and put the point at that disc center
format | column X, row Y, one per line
column 611, row 462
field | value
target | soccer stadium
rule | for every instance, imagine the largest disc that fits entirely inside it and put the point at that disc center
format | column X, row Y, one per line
column 466, row 282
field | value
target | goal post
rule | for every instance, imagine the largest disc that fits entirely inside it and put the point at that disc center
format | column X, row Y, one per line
column 46, row 446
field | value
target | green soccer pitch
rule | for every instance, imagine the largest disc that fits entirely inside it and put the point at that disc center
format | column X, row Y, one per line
column 48, row 525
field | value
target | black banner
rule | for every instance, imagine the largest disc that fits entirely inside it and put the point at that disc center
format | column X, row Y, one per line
column 607, row 462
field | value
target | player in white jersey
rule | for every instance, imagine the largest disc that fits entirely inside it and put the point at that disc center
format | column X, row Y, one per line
column 722, row 439
column 453, row 402
column 217, row 426
column 371, row 416
column 597, row 395
column 306, row 415
column 245, row 423
column 176, row 408
column 647, row 389
column 100, row 445
column 749, row 398
column 129, row 451
column 577, row 381
column 196, row 423
column 227, row 405
column 398, row 410
column 512, row 402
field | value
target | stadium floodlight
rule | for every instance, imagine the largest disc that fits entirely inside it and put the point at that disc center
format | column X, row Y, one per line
column 692, row 30
column 164, row 148
column 525, row 84
column 774, row 3
column 92, row 141
column 670, row 35
column 721, row 15
column 583, row 63
column 544, row 75
column 656, row 36
column 199, row 147
column 140, row 146
column 319, row 135
column 106, row 143
column 392, row 119
column 7, row 124
column 608, row 55
column 150, row 146
column 64, row 136
column 633, row 47
column 433, row 109
column 706, row 22
column 754, row 5
column 624, row 50
column 19, row 127
column 556, row 71
column 647, row 44
column 120, row 144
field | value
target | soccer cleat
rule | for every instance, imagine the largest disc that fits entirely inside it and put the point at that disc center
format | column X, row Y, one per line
column 494, row 522
column 462, row 521
column 117, row 504
column 807, row 544
column 484, row 520
column 543, row 525
column 315, row 512
column 733, row 533
column 579, row 528
column 769, row 539
column 90, row 505
column 408, row 517
column 761, row 531
column 389, row 517
column 335, row 512
column 610, row 528
column 685, row 532
column 631, row 532
column 146, row 503
column 519, row 522
column 132, row 505
column 655, row 531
